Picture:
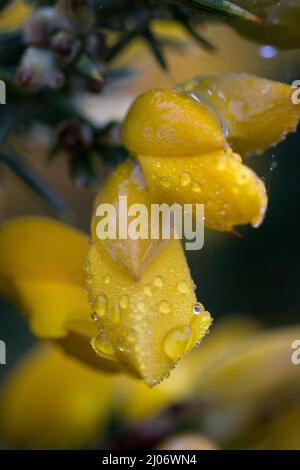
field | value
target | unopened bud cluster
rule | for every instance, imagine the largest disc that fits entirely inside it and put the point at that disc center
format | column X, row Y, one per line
column 57, row 38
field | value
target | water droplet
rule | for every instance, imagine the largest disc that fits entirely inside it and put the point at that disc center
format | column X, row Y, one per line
column 158, row 282
column 95, row 317
column 165, row 181
column 242, row 177
column 101, row 346
column 100, row 305
column 175, row 342
column 185, row 179
column 141, row 307
column 164, row 307
column 199, row 327
column 183, row 287
column 148, row 291
column 107, row 279
column 116, row 314
column 196, row 188
column 236, row 157
column 124, row 301
column 198, row 308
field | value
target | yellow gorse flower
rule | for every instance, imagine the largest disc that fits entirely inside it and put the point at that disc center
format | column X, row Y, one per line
column 180, row 143
column 133, row 307
column 141, row 293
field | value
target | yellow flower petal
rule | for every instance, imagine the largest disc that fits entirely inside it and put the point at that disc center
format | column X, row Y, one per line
column 257, row 368
column 145, row 324
column 185, row 158
column 146, row 333
column 169, row 123
column 226, row 334
column 131, row 255
column 257, row 112
column 42, row 272
column 231, row 193
column 14, row 15
column 51, row 401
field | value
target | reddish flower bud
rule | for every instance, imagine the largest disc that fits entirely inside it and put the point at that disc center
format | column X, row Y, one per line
column 74, row 135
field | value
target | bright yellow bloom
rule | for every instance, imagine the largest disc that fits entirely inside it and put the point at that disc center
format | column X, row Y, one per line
column 142, row 324
column 51, row 401
column 256, row 113
column 145, row 312
column 179, row 139
column 143, row 315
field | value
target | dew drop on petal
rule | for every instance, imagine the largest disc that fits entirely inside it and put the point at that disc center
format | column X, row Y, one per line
column 198, row 308
column 141, row 307
column 101, row 346
column 148, row 291
column 165, row 181
column 183, row 287
column 107, row 279
column 164, row 307
column 196, row 188
column 242, row 178
column 100, row 305
column 175, row 342
column 185, row 179
column 95, row 317
column 158, row 281
column 116, row 314
column 124, row 301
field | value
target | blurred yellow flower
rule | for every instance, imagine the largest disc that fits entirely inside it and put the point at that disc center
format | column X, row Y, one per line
column 51, row 401
column 243, row 381
column 14, row 15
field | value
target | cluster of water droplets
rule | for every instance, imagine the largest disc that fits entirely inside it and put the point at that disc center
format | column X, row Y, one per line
column 176, row 342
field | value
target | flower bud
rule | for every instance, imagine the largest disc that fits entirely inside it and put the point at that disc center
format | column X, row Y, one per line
column 65, row 45
column 74, row 135
column 42, row 24
column 38, row 69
